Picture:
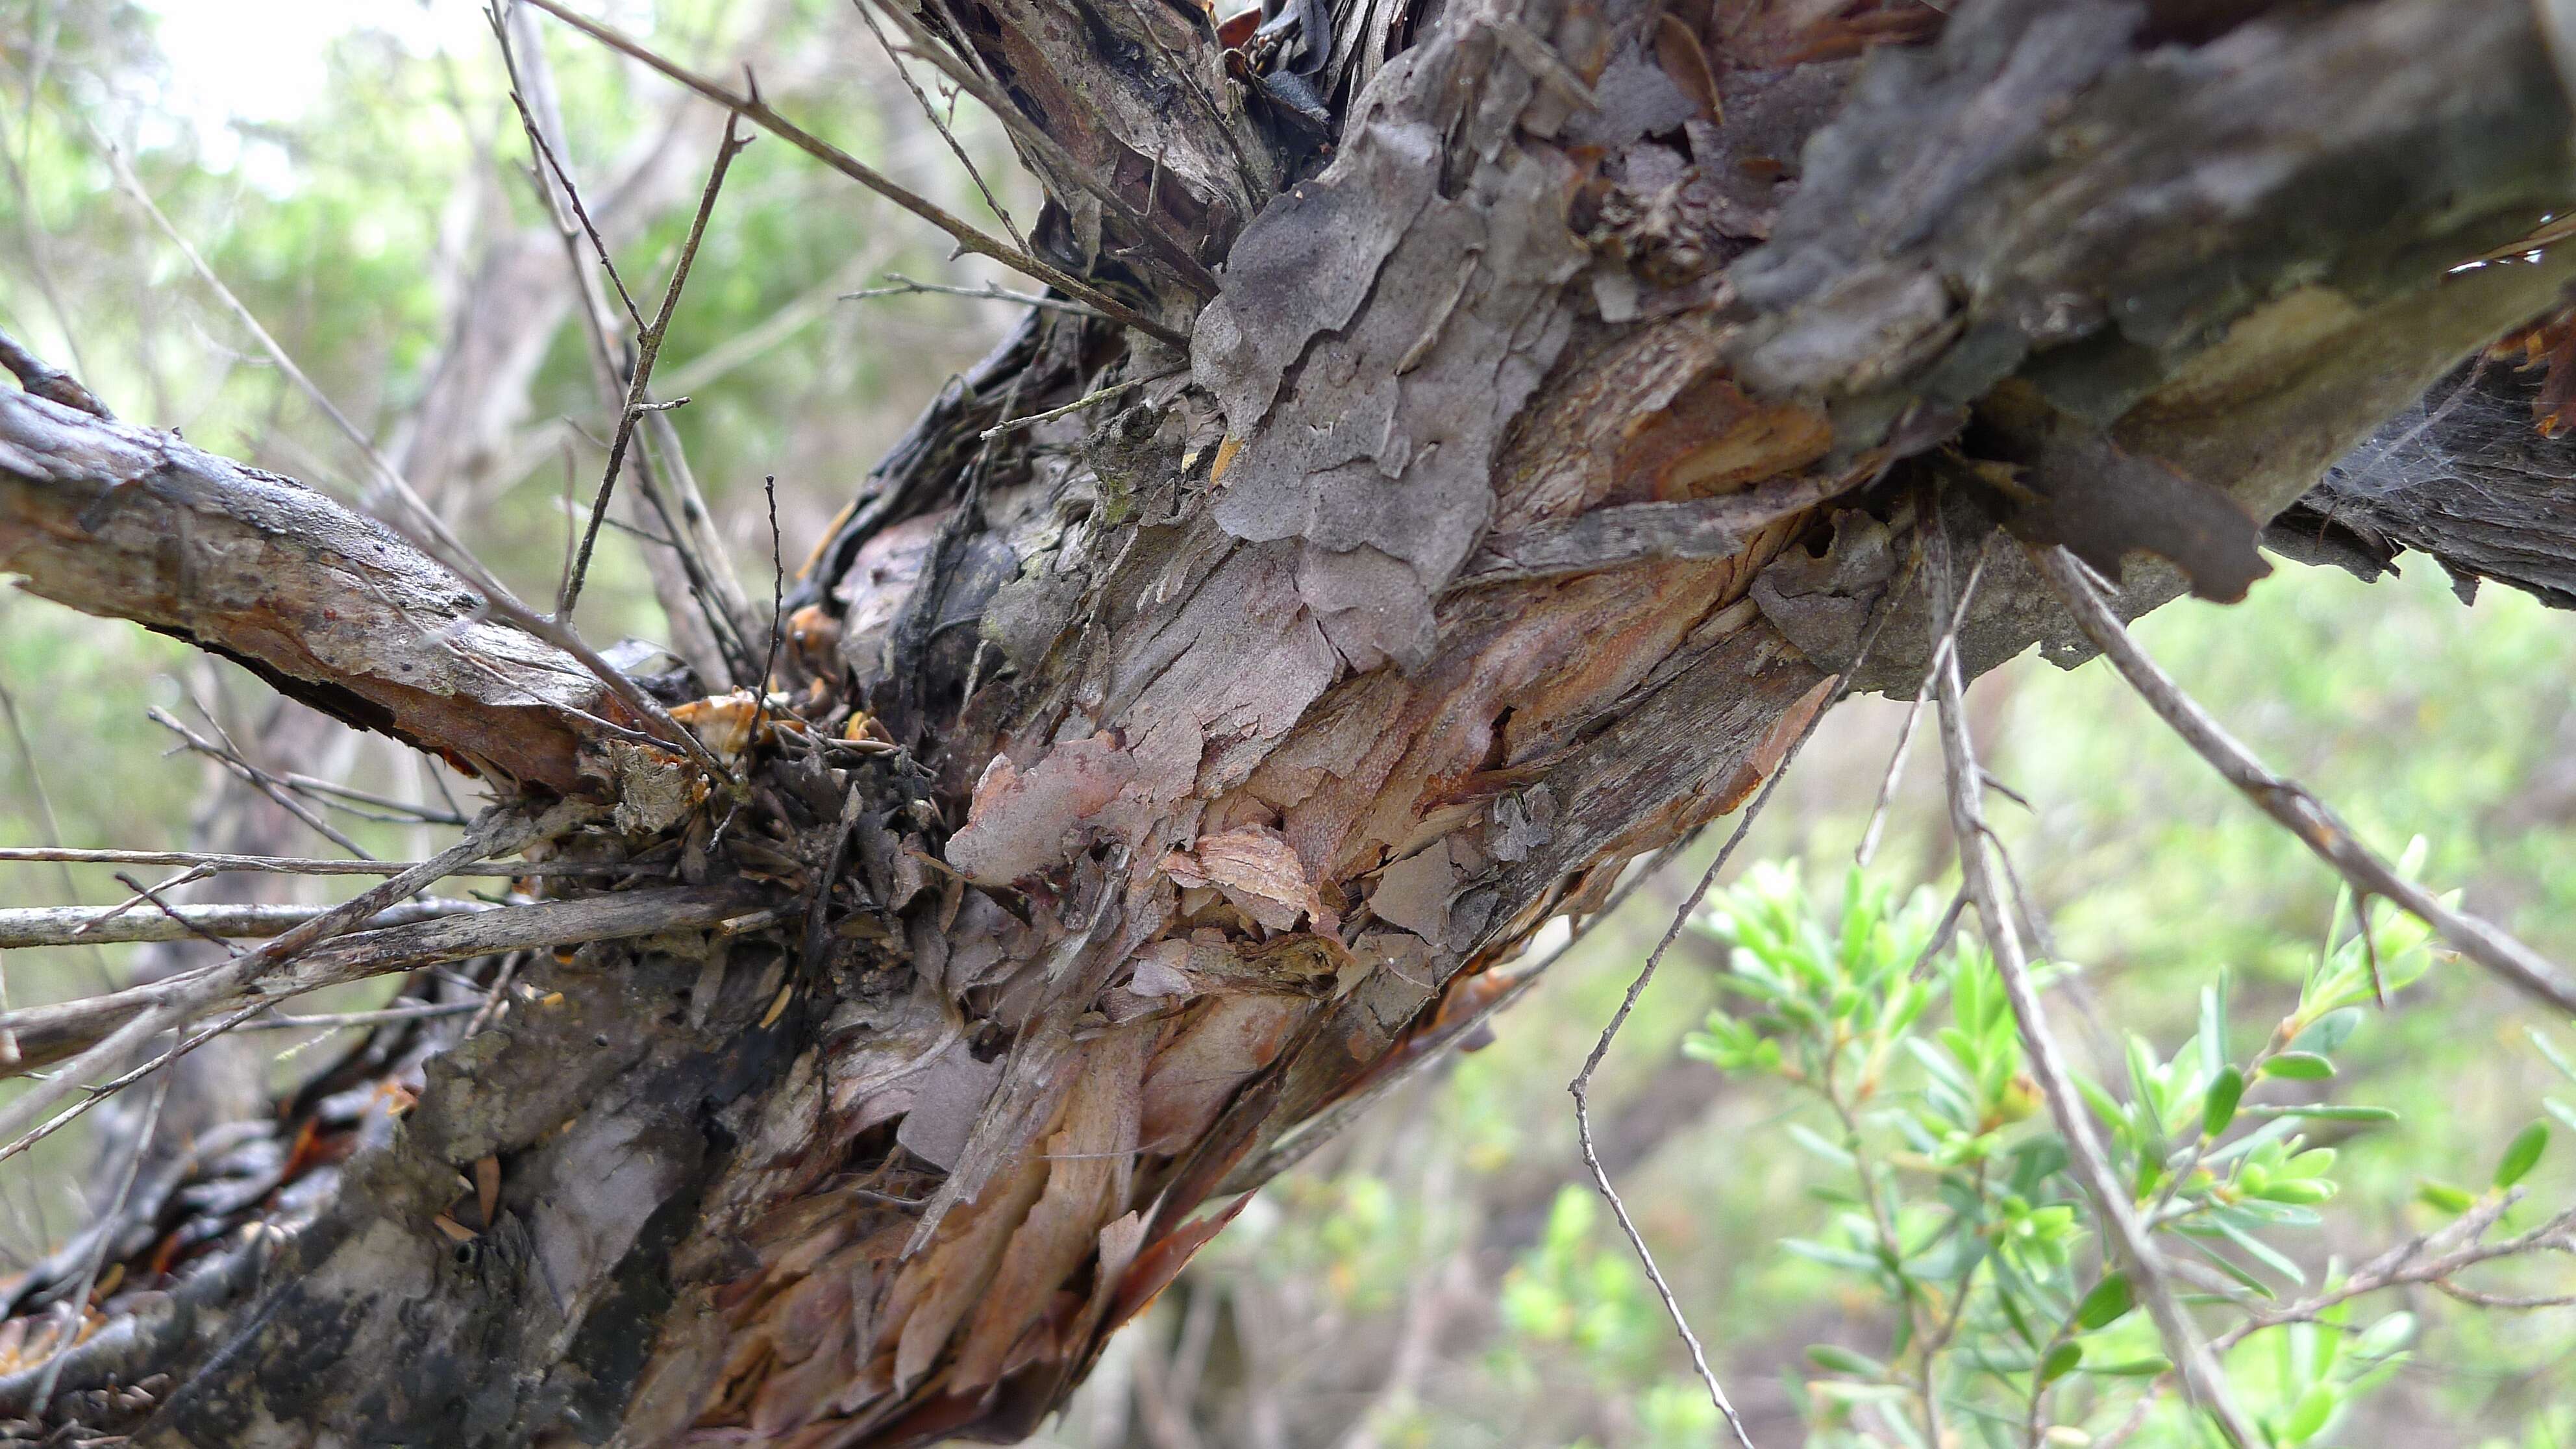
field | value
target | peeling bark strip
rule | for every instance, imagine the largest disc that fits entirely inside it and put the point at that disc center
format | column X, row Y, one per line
column 331, row 608
column 1156, row 781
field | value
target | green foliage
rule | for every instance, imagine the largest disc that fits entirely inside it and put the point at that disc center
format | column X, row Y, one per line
column 1953, row 1201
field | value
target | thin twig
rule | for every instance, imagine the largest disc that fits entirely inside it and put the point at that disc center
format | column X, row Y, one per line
column 2183, row 1342
column 107, row 1226
column 967, row 237
column 648, row 346
column 218, row 863
column 490, row 1005
column 537, row 143
column 435, row 534
column 903, row 73
column 907, row 287
column 2292, row 804
column 1581, row 1087
column 229, row 755
column 1946, row 638
column 499, row 831
column 1049, row 151
column 25, row 926
column 173, row 915
column 1115, row 389
column 337, row 1020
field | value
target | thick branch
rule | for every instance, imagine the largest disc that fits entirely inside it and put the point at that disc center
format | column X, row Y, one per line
column 330, row 607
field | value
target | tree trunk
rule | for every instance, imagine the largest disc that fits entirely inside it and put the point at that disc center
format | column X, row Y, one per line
column 1569, row 385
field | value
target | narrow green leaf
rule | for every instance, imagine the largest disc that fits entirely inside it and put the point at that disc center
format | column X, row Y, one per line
column 2521, row 1155
column 2213, row 1030
column 2060, row 1362
column 1838, row 1359
column 2445, row 1197
column 2556, row 1057
column 2328, row 1112
column 2110, row 1298
column 2138, row 1368
column 2299, row 1067
column 2218, row 1107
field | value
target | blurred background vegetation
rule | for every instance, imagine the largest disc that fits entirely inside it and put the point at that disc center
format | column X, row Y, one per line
column 1433, row 1278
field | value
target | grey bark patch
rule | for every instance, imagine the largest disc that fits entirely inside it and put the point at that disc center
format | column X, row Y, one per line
column 950, row 1101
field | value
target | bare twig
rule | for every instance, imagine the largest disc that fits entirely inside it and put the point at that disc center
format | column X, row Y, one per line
column 171, row 914
column 1947, row 639
column 106, row 1232
column 56, row 1030
column 907, row 287
column 2287, row 801
column 229, row 755
column 648, row 346
column 490, row 1005
column 498, row 832
column 1115, row 389
column 931, row 112
column 25, row 926
column 2183, row 1341
column 967, row 237
column 1581, row 1087
column 338, row 1020
column 1050, row 151
column 545, row 152
column 497, row 599
column 216, row 863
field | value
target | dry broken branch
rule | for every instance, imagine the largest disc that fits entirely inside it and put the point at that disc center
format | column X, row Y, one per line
column 2297, row 809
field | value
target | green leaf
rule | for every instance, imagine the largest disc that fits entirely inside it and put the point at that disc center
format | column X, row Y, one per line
column 2310, row 1414
column 2136, row 1368
column 1838, row 1359
column 2213, row 1029
column 2110, row 1298
column 2328, row 1112
column 2299, row 1067
column 2556, row 1057
column 2218, row 1107
column 2329, row 1031
column 2561, row 1111
column 2445, row 1197
column 2521, row 1155
column 2303, row 1190
column 2060, row 1362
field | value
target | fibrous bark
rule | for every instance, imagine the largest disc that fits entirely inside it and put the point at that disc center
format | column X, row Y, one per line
column 1146, row 785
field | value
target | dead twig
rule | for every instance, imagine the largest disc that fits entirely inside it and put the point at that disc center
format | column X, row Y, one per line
column 1581, row 1087
column 2183, row 1342
column 967, row 237
column 1094, row 399
column 648, row 346
column 907, row 287
column 216, row 863
column 499, row 831
column 25, row 926
column 931, row 113
column 1050, row 152
column 106, row 1232
column 229, row 755
column 2297, row 809
column 1946, row 639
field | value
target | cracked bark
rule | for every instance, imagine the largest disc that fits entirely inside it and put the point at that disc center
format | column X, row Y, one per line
column 1177, row 769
